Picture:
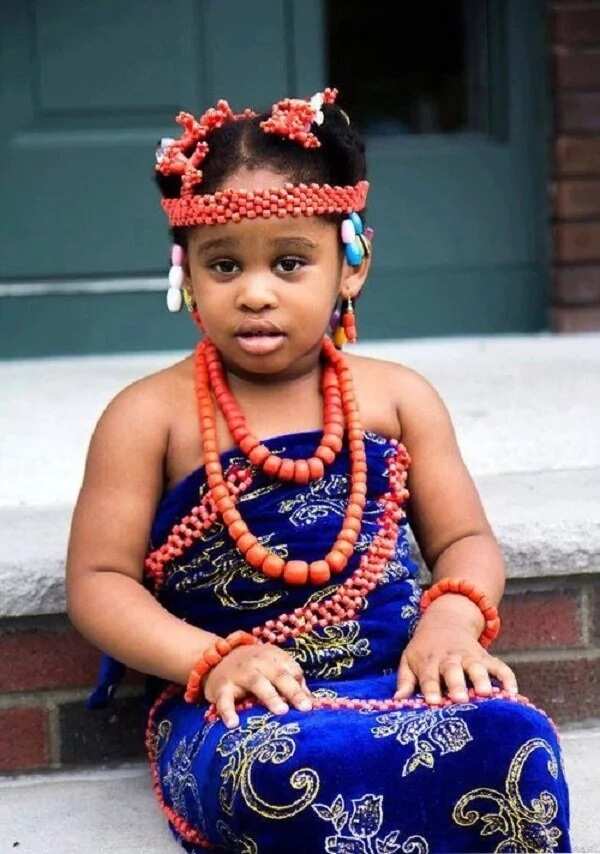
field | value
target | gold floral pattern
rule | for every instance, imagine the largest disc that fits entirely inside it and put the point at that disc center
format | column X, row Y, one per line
column 219, row 571
column 523, row 828
column 320, row 499
column 236, row 844
column 179, row 779
column 411, row 610
column 428, row 731
column 262, row 740
column 358, row 832
column 161, row 736
column 330, row 650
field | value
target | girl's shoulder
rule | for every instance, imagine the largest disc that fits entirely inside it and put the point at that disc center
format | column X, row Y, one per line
column 399, row 400
column 153, row 396
column 135, row 426
column 383, row 383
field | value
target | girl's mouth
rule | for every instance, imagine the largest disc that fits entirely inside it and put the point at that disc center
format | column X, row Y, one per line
column 260, row 343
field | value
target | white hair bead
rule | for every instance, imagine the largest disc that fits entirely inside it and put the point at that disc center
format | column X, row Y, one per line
column 176, row 277
column 174, row 299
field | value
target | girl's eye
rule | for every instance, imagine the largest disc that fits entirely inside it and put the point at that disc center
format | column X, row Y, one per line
column 289, row 264
column 226, row 267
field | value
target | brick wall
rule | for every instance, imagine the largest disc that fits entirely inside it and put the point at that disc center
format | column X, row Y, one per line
column 551, row 638
column 46, row 671
column 575, row 32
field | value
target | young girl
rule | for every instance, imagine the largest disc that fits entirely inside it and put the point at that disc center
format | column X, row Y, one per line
column 241, row 536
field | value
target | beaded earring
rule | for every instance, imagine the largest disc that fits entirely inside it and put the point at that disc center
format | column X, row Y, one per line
column 346, row 331
column 176, row 277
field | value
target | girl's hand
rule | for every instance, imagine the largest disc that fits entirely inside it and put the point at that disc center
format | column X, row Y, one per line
column 264, row 670
column 445, row 644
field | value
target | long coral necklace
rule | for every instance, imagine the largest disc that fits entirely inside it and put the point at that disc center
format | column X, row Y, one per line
column 339, row 408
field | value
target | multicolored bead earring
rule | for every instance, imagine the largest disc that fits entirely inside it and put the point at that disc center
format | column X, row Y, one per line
column 176, row 278
column 346, row 331
column 351, row 230
column 349, row 321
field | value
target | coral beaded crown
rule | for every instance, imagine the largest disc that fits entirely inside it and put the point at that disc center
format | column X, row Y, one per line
column 290, row 118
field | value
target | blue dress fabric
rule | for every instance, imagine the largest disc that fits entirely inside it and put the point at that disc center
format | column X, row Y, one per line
column 362, row 778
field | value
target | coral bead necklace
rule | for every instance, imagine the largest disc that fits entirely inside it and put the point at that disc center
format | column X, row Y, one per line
column 340, row 409
column 300, row 471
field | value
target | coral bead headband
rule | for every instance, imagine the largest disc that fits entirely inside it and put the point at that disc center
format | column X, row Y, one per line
column 291, row 118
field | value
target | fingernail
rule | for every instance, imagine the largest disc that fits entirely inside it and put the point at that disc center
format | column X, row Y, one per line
column 281, row 708
column 233, row 722
column 305, row 705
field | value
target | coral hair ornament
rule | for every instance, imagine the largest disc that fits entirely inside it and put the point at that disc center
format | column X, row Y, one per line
column 291, row 119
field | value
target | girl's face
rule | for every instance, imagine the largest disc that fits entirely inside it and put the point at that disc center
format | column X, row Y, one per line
column 284, row 273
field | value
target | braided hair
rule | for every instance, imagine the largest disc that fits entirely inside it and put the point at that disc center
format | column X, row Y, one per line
column 340, row 160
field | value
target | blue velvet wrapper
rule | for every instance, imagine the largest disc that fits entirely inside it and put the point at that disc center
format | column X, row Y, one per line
column 484, row 775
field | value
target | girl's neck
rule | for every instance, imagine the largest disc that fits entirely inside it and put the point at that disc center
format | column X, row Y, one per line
column 302, row 378
column 293, row 385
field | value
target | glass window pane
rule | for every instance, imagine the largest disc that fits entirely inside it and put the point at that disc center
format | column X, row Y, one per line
column 405, row 68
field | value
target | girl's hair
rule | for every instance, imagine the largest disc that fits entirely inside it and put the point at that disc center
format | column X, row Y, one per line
column 340, row 160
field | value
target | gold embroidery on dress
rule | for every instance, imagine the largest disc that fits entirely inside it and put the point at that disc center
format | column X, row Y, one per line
column 161, row 736
column 524, row 828
column 411, row 610
column 320, row 499
column 236, row 844
column 218, row 572
column 262, row 740
column 180, row 779
column 427, row 730
column 357, row 833
column 375, row 438
column 259, row 491
column 325, row 693
column 331, row 650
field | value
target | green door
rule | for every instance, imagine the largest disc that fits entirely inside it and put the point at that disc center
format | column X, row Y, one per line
column 458, row 207
column 452, row 99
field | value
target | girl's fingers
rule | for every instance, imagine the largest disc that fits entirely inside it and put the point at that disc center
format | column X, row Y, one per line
column 292, row 690
column 429, row 680
column 479, row 675
column 503, row 672
column 454, row 676
column 264, row 691
column 225, row 705
column 407, row 681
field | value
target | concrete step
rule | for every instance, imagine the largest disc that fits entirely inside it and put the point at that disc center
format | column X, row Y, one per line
column 113, row 811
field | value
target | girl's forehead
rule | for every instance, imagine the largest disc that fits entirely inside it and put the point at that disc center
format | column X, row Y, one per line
column 312, row 231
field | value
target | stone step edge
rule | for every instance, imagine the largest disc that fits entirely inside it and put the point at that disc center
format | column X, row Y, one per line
column 547, row 524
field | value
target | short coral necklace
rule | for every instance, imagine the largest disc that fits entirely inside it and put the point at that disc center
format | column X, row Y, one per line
column 339, row 409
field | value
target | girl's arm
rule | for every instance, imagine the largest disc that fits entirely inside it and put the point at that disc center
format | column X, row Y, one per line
column 456, row 541
column 106, row 599
column 122, row 484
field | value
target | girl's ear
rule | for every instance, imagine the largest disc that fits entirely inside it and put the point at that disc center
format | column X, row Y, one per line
column 186, row 269
column 352, row 279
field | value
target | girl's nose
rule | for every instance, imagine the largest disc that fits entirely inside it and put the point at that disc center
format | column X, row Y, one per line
column 255, row 294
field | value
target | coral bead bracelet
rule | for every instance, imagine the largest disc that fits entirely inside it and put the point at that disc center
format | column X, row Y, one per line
column 476, row 595
column 210, row 658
